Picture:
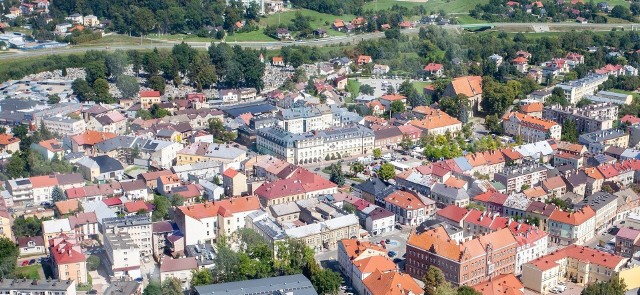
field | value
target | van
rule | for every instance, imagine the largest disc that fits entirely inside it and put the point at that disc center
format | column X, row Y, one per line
column 561, row 288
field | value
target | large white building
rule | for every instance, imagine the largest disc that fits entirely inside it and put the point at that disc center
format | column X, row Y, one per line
column 315, row 146
column 64, row 125
column 138, row 228
column 203, row 222
column 566, row 228
column 123, row 255
column 529, row 128
column 531, row 245
column 305, row 119
column 575, row 90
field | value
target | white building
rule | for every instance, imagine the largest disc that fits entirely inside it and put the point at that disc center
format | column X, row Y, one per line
column 529, row 128
column 566, row 228
column 65, row 126
column 531, row 245
column 180, row 268
column 379, row 220
column 575, row 90
column 37, row 287
column 137, row 227
column 123, row 255
column 305, row 119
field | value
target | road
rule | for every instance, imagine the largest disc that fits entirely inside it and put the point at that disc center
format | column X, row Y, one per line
column 510, row 27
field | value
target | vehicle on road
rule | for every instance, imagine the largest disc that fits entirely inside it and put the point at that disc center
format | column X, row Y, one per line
column 392, row 253
column 25, row 263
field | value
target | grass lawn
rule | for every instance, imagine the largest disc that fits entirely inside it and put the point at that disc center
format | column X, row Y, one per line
column 465, row 19
column 320, row 20
column 419, row 85
column 29, row 272
column 249, row 36
column 449, row 6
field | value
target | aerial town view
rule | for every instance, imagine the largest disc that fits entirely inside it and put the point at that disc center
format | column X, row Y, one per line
column 319, row 147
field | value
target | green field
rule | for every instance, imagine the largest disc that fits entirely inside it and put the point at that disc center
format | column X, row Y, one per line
column 449, row 6
column 114, row 40
column 249, row 36
column 30, row 272
column 465, row 19
column 419, row 85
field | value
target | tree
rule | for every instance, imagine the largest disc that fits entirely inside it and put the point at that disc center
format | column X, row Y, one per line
column 154, row 288
column 16, row 167
column 615, row 286
column 557, row 97
column 357, row 167
column 492, row 122
column 128, row 86
column 158, row 112
column 377, row 153
column 27, row 227
column 156, row 83
column 116, row 63
column 202, row 72
column 201, row 277
column 101, row 89
column 172, row 286
column 336, row 175
column 53, row 99
column 82, row 90
column 93, row 262
column 387, row 171
column 219, row 132
column 326, row 281
column 466, row 290
column 393, row 34
column 458, row 107
column 177, row 200
column 366, row 89
column 144, row 20
column 8, row 256
column 162, row 205
column 57, row 194
column 570, row 131
column 620, row 11
column 397, row 107
column 433, row 280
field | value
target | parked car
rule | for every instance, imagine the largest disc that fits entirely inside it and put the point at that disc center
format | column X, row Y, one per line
column 25, row 263
column 32, row 261
column 392, row 253
column 387, row 241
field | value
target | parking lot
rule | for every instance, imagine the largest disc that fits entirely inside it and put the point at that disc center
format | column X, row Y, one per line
column 572, row 289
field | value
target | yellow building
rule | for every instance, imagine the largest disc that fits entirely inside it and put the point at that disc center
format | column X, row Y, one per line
column 204, row 152
column 576, row 263
column 5, row 225
column 68, row 261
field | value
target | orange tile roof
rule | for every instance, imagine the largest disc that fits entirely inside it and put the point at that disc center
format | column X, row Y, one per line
column 575, row 218
column 391, row 283
column 135, row 206
column 67, row 206
column 476, row 159
column 506, row 284
column 608, row 171
column 355, row 248
column 455, row 182
column 404, row 200
column 231, row 173
column 52, row 145
column 364, row 59
column 373, row 263
column 438, row 240
column 43, row 181
column 438, row 120
column 277, row 59
column 553, row 183
column 520, row 60
column 6, row 139
column 530, row 121
column 593, row 172
column 534, row 192
column 581, row 253
column 92, row 137
column 498, row 239
column 151, row 93
column 224, row 207
column 532, row 107
column 511, row 153
column 453, row 212
column 493, row 157
column 300, row 182
column 393, row 97
column 169, row 179
column 468, row 85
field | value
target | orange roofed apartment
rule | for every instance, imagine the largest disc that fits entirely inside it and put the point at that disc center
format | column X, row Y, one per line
column 467, row 263
column 203, row 222
column 299, row 186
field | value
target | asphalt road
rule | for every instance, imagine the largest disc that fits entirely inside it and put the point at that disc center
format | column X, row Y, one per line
column 510, row 27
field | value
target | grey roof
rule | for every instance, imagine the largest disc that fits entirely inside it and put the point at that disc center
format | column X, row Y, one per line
column 118, row 142
column 463, row 163
column 34, row 285
column 600, row 136
column 576, row 179
column 284, row 209
column 254, row 108
column 122, row 288
column 304, row 112
column 101, row 210
column 379, row 213
column 374, row 186
column 293, row 284
column 107, row 164
column 450, row 192
column 597, row 201
column 387, row 132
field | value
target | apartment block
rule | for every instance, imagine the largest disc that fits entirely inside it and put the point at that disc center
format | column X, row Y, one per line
column 593, row 117
column 529, row 128
column 138, row 228
column 577, row 89
column 515, row 177
column 566, row 228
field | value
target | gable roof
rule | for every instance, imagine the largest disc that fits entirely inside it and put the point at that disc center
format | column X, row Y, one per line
column 468, row 85
column 391, row 283
column 506, row 284
column 225, row 207
column 573, row 218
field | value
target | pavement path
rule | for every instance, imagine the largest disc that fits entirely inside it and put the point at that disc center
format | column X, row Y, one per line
column 511, row 27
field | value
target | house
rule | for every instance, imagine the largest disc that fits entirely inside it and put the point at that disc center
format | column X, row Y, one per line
column 277, row 61
column 437, row 122
column 533, row 109
column 410, row 208
column 123, row 255
column 521, row 64
column 67, row 260
column 301, row 185
column 234, row 182
column 380, row 69
column 434, row 70
column 502, row 284
column 566, row 228
column 496, row 59
column 100, row 168
column 581, row 20
column 529, row 128
column 149, row 98
column 379, row 221
column 135, row 231
column 86, row 141
column 179, row 268
column 338, row 25
column 627, row 242
column 283, row 34
column 321, row 33
column 470, row 86
column 91, row 21
column 85, row 225
column 31, row 245
column 9, row 144
column 363, row 60
column 390, row 283
column 32, row 287
column 111, row 121
column 49, row 149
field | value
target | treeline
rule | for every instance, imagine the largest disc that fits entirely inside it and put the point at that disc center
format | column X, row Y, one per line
column 162, row 16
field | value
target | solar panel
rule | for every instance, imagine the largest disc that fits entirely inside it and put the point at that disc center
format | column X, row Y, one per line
column 179, row 189
column 23, row 182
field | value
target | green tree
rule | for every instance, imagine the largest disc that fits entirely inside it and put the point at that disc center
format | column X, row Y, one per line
column 172, row 286
column 27, row 227
column 377, row 153
column 336, row 175
column 16, row 167
column 326, row 281
column 93, row 262
column 583, row 103
column 397, row 107
column 357, row 167
column 201, row 277
column 202, row 72
column 156, row 83
column 570, row 131
column 154, row 288
column 433, row 280
column 466, row 290
column 177, row 200
column 82, row 90
column 53, row 99
column 615, row 286
column 219, row 132
column 57, row 194
column 101, row 89
column 158, row 112
column 8, row 256
column 116, row 63
column 143, row 114
column 128, row 86
column 144, row 20
column 492, row 122
column 387, row 171
column 366, row 89
column 557, row 97
column 162, row 206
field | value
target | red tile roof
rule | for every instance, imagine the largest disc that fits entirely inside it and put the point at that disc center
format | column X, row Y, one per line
column 404, row 200
column 468, row 85
column 43, row 181
column 393, row 97
column 230, row 172
column 391, row 283
column 608, row 171
column 65, row 251
column 170, row 265
column 581, row 253
column 150, row 93
column 453, row 212
column 532, row 107
column 433, row 67
column 113, row 201
column 302, row 181
column 52, row 145
column 373, row 263
column 575, row 218
column 506, row 284
column 6, row 139
column 92, row 137
column 135, row 206
column 226, row 207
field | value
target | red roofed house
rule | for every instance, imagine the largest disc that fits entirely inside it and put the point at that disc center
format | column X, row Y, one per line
column 434, row 69
column 8, row 143
column 531, row 129
column 277, row 61
column 350, row 250
column 85, row 141
column 410, row 208
column 387, row 99
column 390, row 283
column 533, row 109
column 363, row 60
column 301, row 185
column 132, row 208
column 567, row 228
column 49, row 148
column 521, row 63
column 204, row 222
column 180, row 268
column 581, row 264
column 627, row 242
column 452, row 214
column 67, row 259
column 506, row 284
column 471, row 86
column 234, row 182
column 149, row 98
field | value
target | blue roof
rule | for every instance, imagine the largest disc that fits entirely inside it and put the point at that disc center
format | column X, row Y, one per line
column 463, row 163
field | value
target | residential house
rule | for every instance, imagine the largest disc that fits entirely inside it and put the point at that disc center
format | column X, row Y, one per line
column 178, row 268
column 434, row 70
column 9, row 143
column 29, row 246
column 100, row 168
column 49, row 148
column 234, row 182
column 67, row 259
column 409, row 208
column 566, row 228
column 149, row 98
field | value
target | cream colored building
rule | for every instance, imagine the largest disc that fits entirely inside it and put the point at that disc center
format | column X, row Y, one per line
column 5, row 225
column 305, row 119
column 581, row 264
column 65, row 126
column 137, row 227
column 529, row 128
column 181, row 269
column 204, row 152
column 91, row 21
column 566, row 228
column 68, row 261
column 326, row 234
column 123, row 254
